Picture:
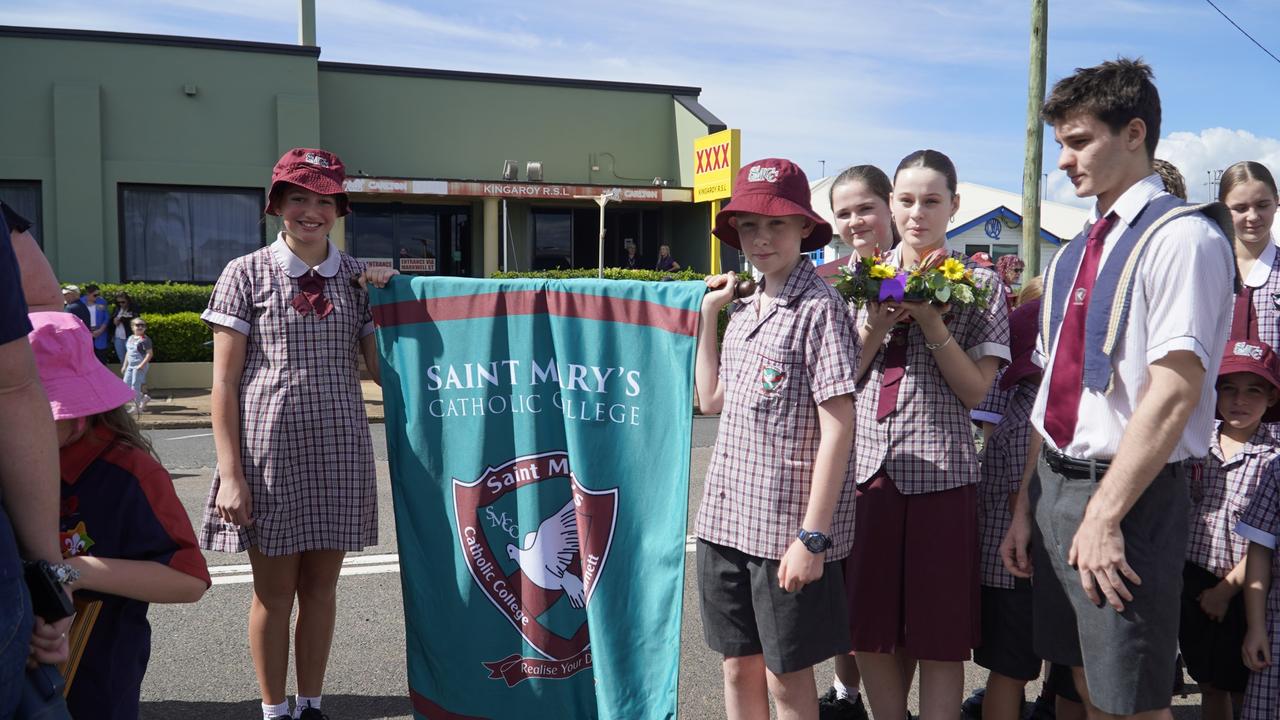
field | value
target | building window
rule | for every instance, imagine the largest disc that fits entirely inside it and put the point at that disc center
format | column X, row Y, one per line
column 25, row 198
column 186, row 234
column 552, row 239
column 994, row 251
column 414, row 239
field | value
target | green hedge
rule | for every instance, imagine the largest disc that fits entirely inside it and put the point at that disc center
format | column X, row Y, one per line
column 609, row 274
column 179, row 337
column 161, row 298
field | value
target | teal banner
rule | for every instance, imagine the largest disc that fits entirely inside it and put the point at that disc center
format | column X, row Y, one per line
column 538, row 433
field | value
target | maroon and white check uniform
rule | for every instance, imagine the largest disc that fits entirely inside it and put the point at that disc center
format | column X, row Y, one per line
column 1003, row 459
column 927, row 444
column 775, row 369
column 1220, row 491
column 304, row 440
column 1260, row 523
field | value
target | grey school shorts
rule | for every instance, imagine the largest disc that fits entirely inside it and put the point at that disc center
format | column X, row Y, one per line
column 744, row 612
column 1128, row 657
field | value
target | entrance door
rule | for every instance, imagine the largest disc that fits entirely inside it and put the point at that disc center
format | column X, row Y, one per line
column 414, row 239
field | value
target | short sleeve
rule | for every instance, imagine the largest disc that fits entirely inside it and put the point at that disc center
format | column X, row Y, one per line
column 162, row 530
column 1260, row 521
column 13, row 306
column 831, row 350
column 986, row 332
column 231, row 304
column 993, row 406
column 363, row 307
column 1188, row 288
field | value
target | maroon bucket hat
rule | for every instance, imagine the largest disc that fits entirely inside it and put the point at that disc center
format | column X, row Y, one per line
column 1253, row 356
column 1024, row 325
column 319, row 171
column 776, row 188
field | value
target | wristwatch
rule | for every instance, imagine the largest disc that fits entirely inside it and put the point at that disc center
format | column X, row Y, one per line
column 814, row 541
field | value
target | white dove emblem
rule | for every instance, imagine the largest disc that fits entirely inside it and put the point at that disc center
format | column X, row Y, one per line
column 546, row 554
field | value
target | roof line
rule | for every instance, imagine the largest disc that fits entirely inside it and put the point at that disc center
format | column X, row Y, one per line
column 1000, row 211
column 166, row 40
column 705, row 116
column 358, row 68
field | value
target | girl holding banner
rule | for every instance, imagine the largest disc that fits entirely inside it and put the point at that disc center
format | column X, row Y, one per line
column 295, row 482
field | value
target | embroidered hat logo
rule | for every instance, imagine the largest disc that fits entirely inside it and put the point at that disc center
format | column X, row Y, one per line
column 1244, row 349
column 759, row 173
column 317, row 160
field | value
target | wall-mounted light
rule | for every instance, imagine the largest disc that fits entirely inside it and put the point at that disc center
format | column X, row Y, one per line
column 533, row 171
column 510, row 170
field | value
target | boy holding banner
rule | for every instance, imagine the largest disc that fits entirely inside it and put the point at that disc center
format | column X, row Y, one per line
column 777, row 509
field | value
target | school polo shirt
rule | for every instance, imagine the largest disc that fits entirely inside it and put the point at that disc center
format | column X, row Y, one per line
column 118, row 502
column 775, row 369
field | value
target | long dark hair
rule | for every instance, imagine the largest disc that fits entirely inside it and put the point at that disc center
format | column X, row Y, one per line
column 878, row 183
column 932, row 160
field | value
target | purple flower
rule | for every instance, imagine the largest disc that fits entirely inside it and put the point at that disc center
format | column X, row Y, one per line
column 893, row 288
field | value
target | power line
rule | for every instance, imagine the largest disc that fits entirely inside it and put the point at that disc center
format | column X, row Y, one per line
column 1242, row 31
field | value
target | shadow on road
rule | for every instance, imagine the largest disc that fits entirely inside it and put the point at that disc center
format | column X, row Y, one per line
column 348, row 707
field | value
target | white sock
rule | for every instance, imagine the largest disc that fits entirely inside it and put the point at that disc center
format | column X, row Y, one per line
column 270, row 711
column 302, row 702
column 842, row 692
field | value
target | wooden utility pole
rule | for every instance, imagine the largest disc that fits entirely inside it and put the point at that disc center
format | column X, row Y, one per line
column 1031, row 168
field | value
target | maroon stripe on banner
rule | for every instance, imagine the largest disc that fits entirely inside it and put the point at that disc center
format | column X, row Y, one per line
column 534, row 302
column 423, row 706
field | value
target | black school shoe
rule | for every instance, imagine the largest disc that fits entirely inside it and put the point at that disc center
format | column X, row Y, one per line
column 971, row 708
column 831, row 707
column 311, row 713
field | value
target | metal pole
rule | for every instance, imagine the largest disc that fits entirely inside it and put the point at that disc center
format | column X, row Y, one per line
column 1031, row 169
column 603, row 200
column 506, row 235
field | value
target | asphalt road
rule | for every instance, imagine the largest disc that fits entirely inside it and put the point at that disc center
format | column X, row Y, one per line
column 200, row 667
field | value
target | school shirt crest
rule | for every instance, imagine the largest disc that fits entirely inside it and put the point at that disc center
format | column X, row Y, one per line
column 1108, row 313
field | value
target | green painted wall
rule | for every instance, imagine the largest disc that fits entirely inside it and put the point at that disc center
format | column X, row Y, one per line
column 443, row 128
column 97, row 114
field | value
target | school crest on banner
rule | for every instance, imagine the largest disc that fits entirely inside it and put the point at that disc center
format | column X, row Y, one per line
column 538, row 434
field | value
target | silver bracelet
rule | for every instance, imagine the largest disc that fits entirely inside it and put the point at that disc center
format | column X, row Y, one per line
column 938, row 346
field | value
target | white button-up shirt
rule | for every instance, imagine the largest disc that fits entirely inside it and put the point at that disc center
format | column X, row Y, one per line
column 1182, row 300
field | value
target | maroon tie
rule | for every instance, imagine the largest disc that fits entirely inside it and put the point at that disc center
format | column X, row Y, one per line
column 1244, row 321
column 310, row 297
column 895, row 360
column 1063, row 404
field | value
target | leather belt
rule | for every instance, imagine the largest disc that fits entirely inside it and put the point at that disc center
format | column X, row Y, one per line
column 1075, row 468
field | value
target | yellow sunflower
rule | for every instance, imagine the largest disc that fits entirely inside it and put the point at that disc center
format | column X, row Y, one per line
column 952, row 269
column 883, row 272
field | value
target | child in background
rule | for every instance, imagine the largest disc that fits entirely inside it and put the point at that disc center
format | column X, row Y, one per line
column 136, row 360
column 777, row 509
column 860, row 202
column 123, row 528
column 1212, row 624
column 1260, row 525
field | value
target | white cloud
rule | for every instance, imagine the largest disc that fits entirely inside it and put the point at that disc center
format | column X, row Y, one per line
column 1196, row 156
column 1199, row 154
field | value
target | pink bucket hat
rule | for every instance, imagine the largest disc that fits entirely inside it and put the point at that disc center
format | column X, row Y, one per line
column 319, row 171
column 772, row 187
column 76, row 383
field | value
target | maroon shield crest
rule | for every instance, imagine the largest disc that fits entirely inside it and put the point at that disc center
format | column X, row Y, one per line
column 560, row 561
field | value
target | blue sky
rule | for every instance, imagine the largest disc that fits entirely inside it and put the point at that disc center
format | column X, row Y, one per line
column 845, row 82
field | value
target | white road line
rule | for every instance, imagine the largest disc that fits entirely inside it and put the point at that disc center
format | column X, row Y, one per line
column 188, row 437
column 244, row 578
column 349, row 561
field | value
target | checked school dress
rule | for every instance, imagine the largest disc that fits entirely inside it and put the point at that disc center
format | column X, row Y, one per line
column 304, row 439
column 1260, row 523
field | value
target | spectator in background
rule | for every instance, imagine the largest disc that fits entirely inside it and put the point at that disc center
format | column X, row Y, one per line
column 72, row 303
column 122, row 320
column 630, row 262
column 99, row 322
column 666, row 263
column 1009, row 268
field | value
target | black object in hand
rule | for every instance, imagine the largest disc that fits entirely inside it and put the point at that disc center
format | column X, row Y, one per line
column 48, row 599
column 744, row 287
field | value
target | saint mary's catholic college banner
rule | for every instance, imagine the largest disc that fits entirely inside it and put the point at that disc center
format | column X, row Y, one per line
column 539, row 443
